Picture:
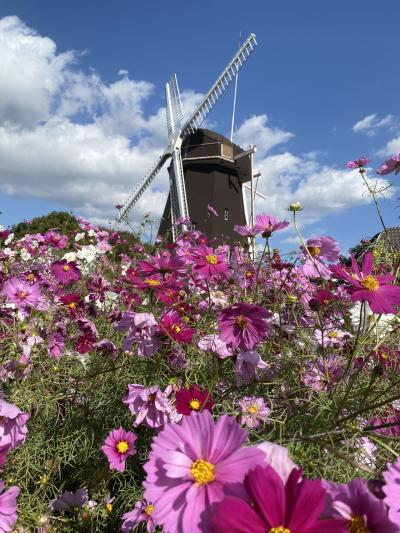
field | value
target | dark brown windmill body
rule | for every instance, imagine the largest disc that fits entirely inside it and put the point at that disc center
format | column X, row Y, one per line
column 212, row 177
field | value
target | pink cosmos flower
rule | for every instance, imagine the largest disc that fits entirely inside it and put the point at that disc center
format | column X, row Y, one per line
column 149, row 404
column 358, row 163
column 278, row 457
column 243, row 325
column 70, row 500
column 320, row 249
column 118, row 446
column 55, row 345
column 276, row 507
column 21, row 293
column 213, row 343
column 65, row 272
column 253, row 410
column 246, row 367
column 246, row 231
column 378, row 291
column 13, row 428
column 8, row 507
column 193, row 399
column 358, row 506
column 392, row 491
column 142, row 328
column 172, row 326
column 209, row 263
column 191, row 465
column 211, row 210
column 142, row 512
column 161, row 263
column 267, row 224
column 390, row 165
column 55, row 239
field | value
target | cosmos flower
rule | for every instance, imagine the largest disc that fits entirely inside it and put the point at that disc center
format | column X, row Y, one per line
column 274, row 506
column 148, row 404
column 65, row 272
column 172, row 326
column 213, row 343
column 253, row 410
column 193, row 399
column 247, row 363
column 211, row 210
column 358, row 163
column 392, row 491
column 118, row 446
column 390, row 165
column 209, row 263
column 319, row 250
column 243, row 325
column 8, row 507
column 142, row 512
column 246, row 231
column 189, row 467
column 69, row 500
column 266, row 225
column 358, row 506
column 378, row 291
column 13, row 428
column 55, row 239
column 142, row 328
column 21, row 293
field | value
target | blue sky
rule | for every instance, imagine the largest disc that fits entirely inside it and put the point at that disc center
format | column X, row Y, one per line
column 77, row 133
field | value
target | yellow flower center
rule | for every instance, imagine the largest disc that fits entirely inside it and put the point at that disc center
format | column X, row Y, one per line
column 203, row 472
column 109, row 507
column 370, row 283
column 152, row 282
column 252, row 409
column 176, row 329
column 333, row 334
column 357, row 525
column 151, row 398
column 72, row 305
column 212, row 259
column 249, row 274
column 65, row 268
column 241, row 321
column 279, row 529
column 30, row 277
column 194, row 404
column 149, row 509
column 314, row 250
column 122, row 446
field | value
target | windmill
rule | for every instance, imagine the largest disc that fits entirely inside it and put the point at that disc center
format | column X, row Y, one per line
column 179, row 136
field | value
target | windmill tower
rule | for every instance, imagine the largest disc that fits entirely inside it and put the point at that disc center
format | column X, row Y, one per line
column 206, row 167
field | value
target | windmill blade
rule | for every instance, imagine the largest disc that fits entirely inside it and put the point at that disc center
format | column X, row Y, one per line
column 173, row 106
column 137, row 193
column 227, row 76
column 180, row 188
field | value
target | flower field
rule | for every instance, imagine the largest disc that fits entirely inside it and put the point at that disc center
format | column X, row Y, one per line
column 193, row 388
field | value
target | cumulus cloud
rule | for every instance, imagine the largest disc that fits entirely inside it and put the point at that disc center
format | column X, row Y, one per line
column 370, row 124
column 69, row 137
column 392, row 147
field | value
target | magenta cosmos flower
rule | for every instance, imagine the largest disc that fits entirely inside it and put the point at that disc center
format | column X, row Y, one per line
column 267, row 224
column 208, row 263
column 294, row 507
column 246, row 231
column 319, row 250
column 190, row 467
column 243, row 325
column 193, row 399
column 211, row 210
column 378, row 291
column 65, row 272
column 392, row 491
column 358, row 163
column 118, row 446
column 142, row 512
column 390, row 165
column 8, row 507
column 361, row 510
column 22, row 293
column 172, row 326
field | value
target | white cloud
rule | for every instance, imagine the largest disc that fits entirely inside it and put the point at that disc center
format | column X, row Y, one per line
column 392, row 147
column 256, row 127
column 371, row 123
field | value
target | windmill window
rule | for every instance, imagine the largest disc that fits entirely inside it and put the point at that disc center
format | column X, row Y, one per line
column 227, row 150
column 194, row 226
column 226, row 214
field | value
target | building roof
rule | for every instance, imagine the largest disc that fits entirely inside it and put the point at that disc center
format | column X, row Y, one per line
column 391, row 234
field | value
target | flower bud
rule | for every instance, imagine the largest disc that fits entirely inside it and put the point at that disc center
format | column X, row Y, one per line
column 296, row 206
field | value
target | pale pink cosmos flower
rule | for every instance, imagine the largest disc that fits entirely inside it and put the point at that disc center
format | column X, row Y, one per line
column 247, row 364
column 319, row 250
column 358, row 163
column 149, row 404
column 253, row 410
column 8, row 507
column 22, row 293
column 267, row 224
column 212, row 343
column 211, row 210
column 141, row 328
column 142, row 512
column 13, row 428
